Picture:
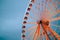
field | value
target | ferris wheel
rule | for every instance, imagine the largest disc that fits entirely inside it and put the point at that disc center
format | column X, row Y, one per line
column 41, row 20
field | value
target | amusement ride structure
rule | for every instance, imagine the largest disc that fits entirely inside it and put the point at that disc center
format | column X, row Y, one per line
column 39, row 22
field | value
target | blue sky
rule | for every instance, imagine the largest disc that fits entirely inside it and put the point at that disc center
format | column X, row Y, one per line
column 11, row 16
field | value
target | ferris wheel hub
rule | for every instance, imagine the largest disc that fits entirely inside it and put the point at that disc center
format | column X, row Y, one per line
column 45, row 22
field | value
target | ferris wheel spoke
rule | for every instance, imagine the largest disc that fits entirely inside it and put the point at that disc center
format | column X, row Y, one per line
column 55, row 25
column 51, row 9
column 34, row 12
column 32, row 17
column 31, row 23
column 49, row 14
column 36, row 34
column 58, row 2
column 54, row 12
column 55, row 19
column 47, row 38
column 31, row 34
column 54, row 33
column 54, row 4
column 42, row 35
column 45, row 29
column 31, row 28
column 58, row 11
